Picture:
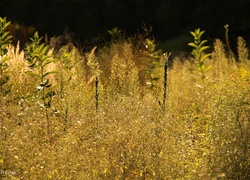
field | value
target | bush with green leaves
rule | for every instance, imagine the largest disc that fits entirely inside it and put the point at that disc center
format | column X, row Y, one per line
column 199, row 55
column 66, row 58
column 115, row 33
column 5, row 40
column 39, row 59
column 152, row 58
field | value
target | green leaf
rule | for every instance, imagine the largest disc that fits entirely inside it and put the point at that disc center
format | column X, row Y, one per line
column 193, row 59
column 208, row 68
column 199, row 64
column 45, row 50
column 4, row 59
column 32, row 65
column 192, row 45
column 200, row 34
column 203, row 48
column 155, row 64
column 194, row 52
column 39, row 49
column 205, row 57
column 4, row 48
column 30, row 59
column 47, row 62
column 6, row 24
column 8, row 39
column 155, row 79
column 50, row 94
column 193, row 34
column 202, row 42
column 197, row 31
column 48, row 73
column 5, row 34
column 33, row 73
column 202, row 67
column 69, row 79
column 47, row 86
column 110, row 32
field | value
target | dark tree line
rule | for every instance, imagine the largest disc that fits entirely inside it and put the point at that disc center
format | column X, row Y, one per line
column 169, row 18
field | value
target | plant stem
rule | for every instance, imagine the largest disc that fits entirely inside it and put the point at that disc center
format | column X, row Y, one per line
column 165, row 80
column 231, row 54
column 1, row 75
column 48, row 124
column 96, row 92
column 66, row 116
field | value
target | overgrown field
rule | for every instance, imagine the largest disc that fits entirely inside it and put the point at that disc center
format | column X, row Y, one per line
column 71, row 114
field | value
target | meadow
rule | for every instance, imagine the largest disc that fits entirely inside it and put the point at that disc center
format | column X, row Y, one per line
column 124, row 111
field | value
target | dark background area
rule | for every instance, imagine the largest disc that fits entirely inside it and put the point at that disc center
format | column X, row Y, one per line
column 89, row 19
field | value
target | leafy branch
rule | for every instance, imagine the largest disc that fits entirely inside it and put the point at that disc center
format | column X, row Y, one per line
column 115, row 33
column 153, row 60
column 5, row 40
column 198, row 53
column 39, row 59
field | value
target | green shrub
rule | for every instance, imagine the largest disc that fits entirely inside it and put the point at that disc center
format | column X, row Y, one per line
column 39, row 60
column 198, row 53
column 5, row 40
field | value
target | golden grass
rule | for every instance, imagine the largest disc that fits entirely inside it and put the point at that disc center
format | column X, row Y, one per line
column 203, row 133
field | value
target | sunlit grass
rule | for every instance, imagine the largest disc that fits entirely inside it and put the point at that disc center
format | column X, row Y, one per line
column 203, row 133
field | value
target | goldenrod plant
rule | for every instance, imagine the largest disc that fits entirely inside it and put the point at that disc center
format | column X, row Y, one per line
column 199, row 55
column 5, row 40
column 67, row 57
column 152, row 59
column 39, row 59
column 115, row 33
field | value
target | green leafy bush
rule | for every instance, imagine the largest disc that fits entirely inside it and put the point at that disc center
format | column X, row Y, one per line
column 198, row 53
column 39, row 60
column 5, row 40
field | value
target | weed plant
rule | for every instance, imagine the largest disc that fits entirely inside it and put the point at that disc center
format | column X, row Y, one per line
column 199, row 52
column 39, row 59
column 5, row 40
column 204, row 134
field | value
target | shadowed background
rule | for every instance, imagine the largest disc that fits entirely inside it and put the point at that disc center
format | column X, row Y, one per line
column 89, row 20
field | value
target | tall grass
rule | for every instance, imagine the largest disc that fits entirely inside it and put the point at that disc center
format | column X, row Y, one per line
column 203, row 134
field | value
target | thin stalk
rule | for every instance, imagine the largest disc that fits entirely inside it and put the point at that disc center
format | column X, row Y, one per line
column 46, row 104
column 96, row 93
column 48, row 124
column 1, row 75
column 165, row 80
column 66, row 116
column 231, row 54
